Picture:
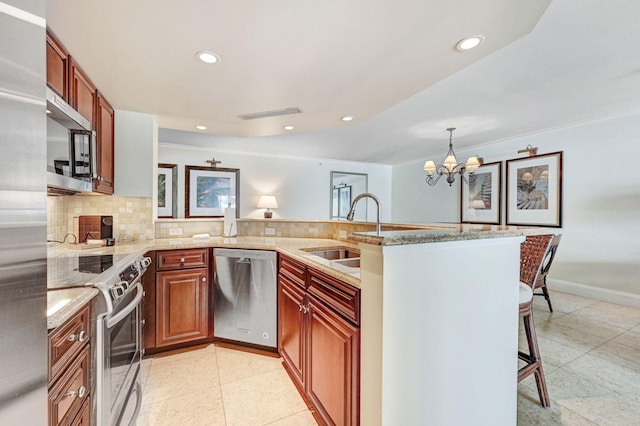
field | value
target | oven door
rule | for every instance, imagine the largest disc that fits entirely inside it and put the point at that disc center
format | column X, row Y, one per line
column 118, row 373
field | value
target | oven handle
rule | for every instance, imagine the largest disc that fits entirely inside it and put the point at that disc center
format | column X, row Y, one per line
column 111, row 321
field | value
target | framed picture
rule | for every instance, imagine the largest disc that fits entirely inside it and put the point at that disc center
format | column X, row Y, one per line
column 534, row 190
column 167, row 190
column 208, row 191
column 480, row 199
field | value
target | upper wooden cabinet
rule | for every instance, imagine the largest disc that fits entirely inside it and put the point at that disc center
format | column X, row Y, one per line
column 82, row 92
column 67, row 79
column 57, row 67
column 105, row 145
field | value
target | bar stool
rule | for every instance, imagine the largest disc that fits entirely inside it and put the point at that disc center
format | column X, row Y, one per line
column 541, row 282
column 532, row 254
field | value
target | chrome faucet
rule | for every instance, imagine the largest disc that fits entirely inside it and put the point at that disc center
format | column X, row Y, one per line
column 352, row 210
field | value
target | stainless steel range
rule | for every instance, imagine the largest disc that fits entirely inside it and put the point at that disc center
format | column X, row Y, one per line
column 118, row 327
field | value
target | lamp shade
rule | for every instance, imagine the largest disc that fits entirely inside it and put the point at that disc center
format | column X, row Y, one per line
column 267, row 202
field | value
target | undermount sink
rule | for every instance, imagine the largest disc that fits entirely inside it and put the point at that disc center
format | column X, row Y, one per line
column 351, row 263
column 333, row 253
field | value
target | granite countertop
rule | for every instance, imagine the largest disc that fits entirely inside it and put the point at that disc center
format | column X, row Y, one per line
column 292, row 247
column 444, row 233
column 63, row 304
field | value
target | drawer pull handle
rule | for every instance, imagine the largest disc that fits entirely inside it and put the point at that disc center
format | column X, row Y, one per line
column 303, row 309
column 80, row 393
column 80, row 337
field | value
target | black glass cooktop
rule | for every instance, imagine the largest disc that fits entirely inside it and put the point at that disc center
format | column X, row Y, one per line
column 77, row 271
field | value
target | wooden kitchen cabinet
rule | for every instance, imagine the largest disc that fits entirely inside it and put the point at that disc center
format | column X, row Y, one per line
column 69, row 375
column 82, row 92
column 319, row 340
column 177, row 303
column 104, row 125
column 57, row 66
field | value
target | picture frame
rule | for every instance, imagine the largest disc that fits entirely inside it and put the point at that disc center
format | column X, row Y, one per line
column 335, row 205
column 167, row 190
column 481, row 198
column 210, row 190
column 534, row 190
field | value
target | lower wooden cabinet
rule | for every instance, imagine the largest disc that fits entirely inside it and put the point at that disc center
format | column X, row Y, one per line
column 182, row 306
column 320, row 344
column 69, row 375
column 177, row 303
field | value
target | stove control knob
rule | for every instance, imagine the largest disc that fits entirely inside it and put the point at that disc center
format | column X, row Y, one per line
column 145, row 262
column 118, row 290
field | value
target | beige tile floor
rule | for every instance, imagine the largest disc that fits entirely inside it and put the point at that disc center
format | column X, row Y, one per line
column 219, row 386
column 591, row 359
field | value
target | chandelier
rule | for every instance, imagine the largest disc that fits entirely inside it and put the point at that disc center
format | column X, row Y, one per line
column 450, row 166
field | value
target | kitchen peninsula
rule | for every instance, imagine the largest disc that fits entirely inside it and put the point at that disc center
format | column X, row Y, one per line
column 429, row 298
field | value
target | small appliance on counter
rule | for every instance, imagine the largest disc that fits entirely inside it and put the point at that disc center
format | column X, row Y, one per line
column 96, row 228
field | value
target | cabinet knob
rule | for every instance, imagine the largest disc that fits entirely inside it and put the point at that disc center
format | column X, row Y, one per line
column 80, row 337
column 80, row 393
column 204, row 278
column 303, row 309
column 143, row 321
column 182, row 260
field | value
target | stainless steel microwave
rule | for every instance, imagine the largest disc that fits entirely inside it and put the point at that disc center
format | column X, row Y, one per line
column 71, row 148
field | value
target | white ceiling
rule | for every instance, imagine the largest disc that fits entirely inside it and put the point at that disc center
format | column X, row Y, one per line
column 391, row 64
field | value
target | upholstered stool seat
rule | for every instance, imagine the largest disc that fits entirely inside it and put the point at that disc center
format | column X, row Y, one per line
column 526, row 293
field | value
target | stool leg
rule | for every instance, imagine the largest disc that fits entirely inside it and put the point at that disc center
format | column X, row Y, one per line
column 545, row 292
column 536, row 362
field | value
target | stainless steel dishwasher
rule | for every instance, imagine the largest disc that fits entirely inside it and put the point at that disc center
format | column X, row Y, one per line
column 245, row 296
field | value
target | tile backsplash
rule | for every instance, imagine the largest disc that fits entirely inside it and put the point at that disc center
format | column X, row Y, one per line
column 132, row 216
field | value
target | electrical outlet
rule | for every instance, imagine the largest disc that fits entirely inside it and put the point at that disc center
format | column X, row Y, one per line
column 269, row 231
column 342, row 233
column 175, row 231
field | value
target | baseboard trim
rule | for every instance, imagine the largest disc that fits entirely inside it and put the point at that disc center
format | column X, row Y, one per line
column 603, row 294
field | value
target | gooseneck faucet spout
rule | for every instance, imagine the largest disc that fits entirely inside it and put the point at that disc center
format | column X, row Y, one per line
column 352, row 210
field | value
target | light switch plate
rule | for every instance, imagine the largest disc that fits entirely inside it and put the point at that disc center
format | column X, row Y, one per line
column 175, row 231
column 269, row 231
column 342, row 233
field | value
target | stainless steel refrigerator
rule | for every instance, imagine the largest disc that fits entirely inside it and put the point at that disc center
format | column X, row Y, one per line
column 23, row 213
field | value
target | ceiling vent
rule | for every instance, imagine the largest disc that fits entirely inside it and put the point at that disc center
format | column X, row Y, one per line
column 265, row 114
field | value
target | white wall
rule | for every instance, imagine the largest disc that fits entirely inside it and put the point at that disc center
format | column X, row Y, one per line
column 601, row 193
column 301, row 186
column 136, row 144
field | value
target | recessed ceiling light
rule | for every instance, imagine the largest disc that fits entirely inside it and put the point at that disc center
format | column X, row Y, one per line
column 201, row 127
column 288, row 127
column 347, row 118
column 207, row 57
column 470, row 42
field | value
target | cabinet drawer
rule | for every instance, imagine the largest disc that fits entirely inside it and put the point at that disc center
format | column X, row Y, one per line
column 67, row 341
column 342, row 297
column 182, row 259
column 67, row 396
column 294, row 270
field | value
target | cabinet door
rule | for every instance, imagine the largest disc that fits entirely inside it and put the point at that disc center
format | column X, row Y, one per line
column 57, row 66
column 291, row 327
column 332, row 375
column 105, row 145
column 81, row 91
column 182, row 306
column 68, row 394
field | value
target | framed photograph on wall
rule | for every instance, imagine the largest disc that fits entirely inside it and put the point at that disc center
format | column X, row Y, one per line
column 480, row 199
column 209, row 190
column 534, row 190
column 167, row 190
